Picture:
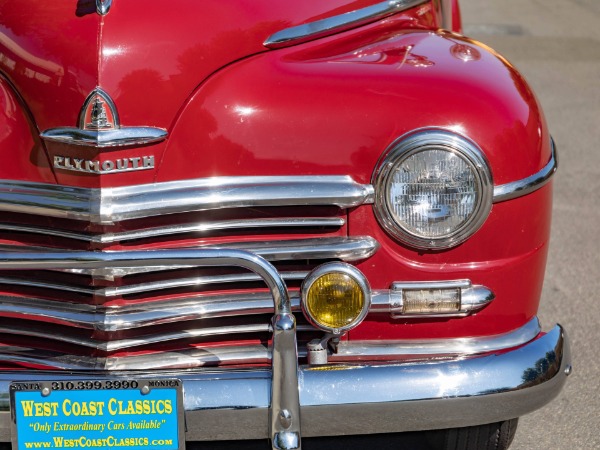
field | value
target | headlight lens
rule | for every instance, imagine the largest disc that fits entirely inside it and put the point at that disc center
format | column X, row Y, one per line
column 335, row 297
column 433, row 189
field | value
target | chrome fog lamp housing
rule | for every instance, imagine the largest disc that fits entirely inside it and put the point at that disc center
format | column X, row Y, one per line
column 335, row 297
column 433, row 189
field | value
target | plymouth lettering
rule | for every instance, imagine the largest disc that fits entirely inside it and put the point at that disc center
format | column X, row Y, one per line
column 106, row 166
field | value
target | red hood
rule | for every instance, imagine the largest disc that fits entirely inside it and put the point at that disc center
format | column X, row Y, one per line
column 148, row 56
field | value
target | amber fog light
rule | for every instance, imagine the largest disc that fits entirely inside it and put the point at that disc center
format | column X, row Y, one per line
column 335, row 297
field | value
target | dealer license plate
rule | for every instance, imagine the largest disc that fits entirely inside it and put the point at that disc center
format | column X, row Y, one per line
column 118, row 414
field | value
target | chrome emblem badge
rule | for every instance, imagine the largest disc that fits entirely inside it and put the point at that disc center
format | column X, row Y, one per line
column 99, row 127
column 98, row 112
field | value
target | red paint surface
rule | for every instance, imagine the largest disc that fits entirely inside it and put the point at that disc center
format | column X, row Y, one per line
column 329, row 107
column 149, row 60
column 507, row 255
column 334, row 106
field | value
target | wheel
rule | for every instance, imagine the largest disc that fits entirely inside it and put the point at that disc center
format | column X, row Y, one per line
column 492, row 436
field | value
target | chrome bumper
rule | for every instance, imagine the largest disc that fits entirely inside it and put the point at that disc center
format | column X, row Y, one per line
column 415, row 387
column 339, row 399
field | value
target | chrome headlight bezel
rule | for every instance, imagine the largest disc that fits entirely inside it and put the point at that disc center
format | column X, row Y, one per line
column 423, row 141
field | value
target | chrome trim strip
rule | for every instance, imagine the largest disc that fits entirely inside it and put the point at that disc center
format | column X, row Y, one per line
column 183, row 359
column 350, row 249
column 140, row 314
column 110, row 205
column 344, row 248
column 527, row 185
column 119, row 137
column 430, row 394
column 284, row 386
column 335, row 24
column 152, row 286
column 121, row 344
column 217, row 257
column 447, row 14
column 109, row 238
column 348, row 352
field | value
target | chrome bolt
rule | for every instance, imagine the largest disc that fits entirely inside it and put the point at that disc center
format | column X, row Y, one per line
column 285, row 418
column 46, row 392
column 145, row 389
column 568, row 369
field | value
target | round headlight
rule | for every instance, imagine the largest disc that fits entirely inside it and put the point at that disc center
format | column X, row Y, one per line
column 335, row 297
column 433, row 189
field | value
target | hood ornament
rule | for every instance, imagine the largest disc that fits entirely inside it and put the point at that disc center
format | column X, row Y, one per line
column 94, row 114
column 99, row 127
column 99, row 119
column 102, row 6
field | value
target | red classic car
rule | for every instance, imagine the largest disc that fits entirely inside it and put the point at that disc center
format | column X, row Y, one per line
column 238, row 221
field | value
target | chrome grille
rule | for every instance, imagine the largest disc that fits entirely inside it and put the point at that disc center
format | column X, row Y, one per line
column 174, row 314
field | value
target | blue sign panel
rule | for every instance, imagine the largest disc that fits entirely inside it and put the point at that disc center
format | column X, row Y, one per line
column 116, row 414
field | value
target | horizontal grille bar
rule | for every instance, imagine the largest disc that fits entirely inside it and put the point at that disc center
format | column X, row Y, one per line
column 156, row 338
column 344, row 248
column 109, row 238
column 110, row 205
column 138, row 315
column 144, row 340
column 254, row 354
column 150, row 286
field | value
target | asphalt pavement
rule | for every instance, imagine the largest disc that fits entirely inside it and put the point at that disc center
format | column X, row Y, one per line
column 556, row 45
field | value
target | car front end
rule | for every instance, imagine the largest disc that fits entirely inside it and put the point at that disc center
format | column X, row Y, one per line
column 307, row 221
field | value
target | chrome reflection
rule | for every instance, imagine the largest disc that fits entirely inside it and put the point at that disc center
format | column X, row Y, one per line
column 15, row 57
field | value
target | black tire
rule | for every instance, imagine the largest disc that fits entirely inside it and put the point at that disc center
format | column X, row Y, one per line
column 493, row 436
